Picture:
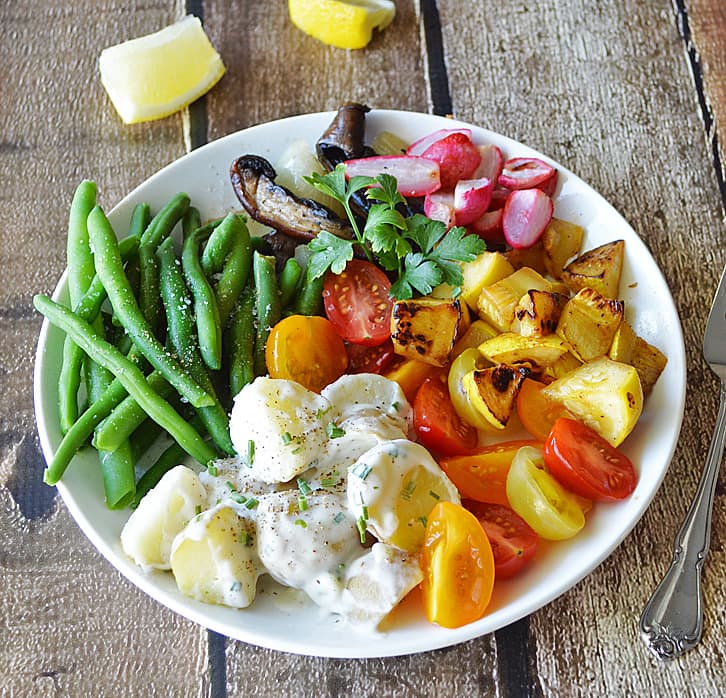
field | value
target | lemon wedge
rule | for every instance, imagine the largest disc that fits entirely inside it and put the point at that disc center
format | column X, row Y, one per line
column 156, row 75
column 342, row 23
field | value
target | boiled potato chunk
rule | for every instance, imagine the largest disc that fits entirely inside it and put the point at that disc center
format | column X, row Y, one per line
column 561, row 241
column 604, row 394
column 478, row 332
column 392, row 489
column 497, row 302
column 511, row 348
column 599, row 268
column 149, row 533
column 214, row 559
column 426, row 329
column 493, row 392
column 589, row 322
column 566, row 363
column 538, row 313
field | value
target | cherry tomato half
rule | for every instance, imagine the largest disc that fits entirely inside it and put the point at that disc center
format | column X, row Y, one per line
column 458, row 567
column 363, row 359
column 540, row 500
column 587, row 464
column 358, row 303
column 482, row 476
column 437, row 424
column 535, row 411
column 306, row 349
column 514, row 543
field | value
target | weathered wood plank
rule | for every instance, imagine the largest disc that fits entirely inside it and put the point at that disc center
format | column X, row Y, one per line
column 578, row 81
column 69, row 624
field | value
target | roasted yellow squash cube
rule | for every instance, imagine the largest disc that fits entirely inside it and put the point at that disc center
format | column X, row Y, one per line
column 478, row 332
column 623, row 344
column 426, row 329
column 589, row 322
column 511, row 348
column 649, row 362
column 599, row 268
column 485, row 270
column 532, row 257
column 561, row 241
column 538, row 313
column 493, row 392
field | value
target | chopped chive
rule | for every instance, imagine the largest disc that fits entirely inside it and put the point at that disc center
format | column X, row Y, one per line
column 331, row 481
column 302, row 502
column 250, row 452
column 300, row 522
column 251, row 503
column 286, row 438
column 212, row 470
column 296, row 450
column 302, row 485
column 339, row 571
column 423, row 520
column 408, row 490
column 322, row 412
column 396, row 406
column 237, row 497
column 198, row 509
column 236, row 586
column 244, row 538
column 362, row 470
column 338, row 518
column 434, row 495
column 230, row 486
column 361, row 525
column 334, row 431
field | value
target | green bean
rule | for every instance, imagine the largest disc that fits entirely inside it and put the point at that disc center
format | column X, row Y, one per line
column 183, row 339
column 209, row 327
column 80, row 273
column 171, row 457
column 144, row 437
column 241, row 339
column 289, row 281
column 149, row 294
column 164, row 221
column 190, row 222
column 310, row 299
column 259, row 244
column 110, row 269
column 236, row 268
column 267, row 305
column 127, row 416
column 140, row 218
column 220, row 241
column 128, row 374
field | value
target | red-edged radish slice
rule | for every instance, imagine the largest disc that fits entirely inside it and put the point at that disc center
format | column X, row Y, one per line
column 439, row 206
column 489, row 226
column 549, row 185
column 418, row 147
column 524, row 173
column 415, row 176
column 491, row 162
column 499, row 198
column 457, row 156
column 525, row 217
column 471, row 199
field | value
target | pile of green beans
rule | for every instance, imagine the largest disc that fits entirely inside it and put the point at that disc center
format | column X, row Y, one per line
column 188, row 330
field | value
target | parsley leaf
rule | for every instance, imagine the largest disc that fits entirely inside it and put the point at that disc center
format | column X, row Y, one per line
column 329, row 252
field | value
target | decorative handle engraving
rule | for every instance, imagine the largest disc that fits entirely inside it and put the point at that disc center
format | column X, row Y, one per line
column 672, row 620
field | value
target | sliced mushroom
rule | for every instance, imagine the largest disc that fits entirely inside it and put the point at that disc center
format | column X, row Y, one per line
column 343, row 139
column 253, row 181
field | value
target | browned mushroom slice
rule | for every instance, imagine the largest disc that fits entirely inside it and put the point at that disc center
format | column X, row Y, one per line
column 253, row 181
column 343, row 139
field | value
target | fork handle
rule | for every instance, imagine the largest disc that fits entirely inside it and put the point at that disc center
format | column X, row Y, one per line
column 672, row 620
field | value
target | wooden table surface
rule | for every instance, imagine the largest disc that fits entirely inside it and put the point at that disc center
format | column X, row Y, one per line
column 630, row 95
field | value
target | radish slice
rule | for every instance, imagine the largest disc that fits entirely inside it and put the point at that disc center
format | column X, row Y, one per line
column 471, row 199
column 491, row 162
column 457, row 156
column 439, row 206
column 489, row 226
column 549, row 185
column 526, row 215
column 419, row 146
column 499, row 198
column 525, row 173
column 415, row 176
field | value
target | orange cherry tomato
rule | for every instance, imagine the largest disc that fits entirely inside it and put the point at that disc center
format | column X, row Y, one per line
column 535, row 411
column 482, row 475
column 307, row 350
column 458, row 567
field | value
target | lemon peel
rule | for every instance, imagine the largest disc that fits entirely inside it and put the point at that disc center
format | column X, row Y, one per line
column 156, row 75
column 342, row 23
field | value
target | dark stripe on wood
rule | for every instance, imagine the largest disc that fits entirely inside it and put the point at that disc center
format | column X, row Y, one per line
column 216, row 644
column 198, row 124
column 694, row 60
column 513, row 660
column 438, row 77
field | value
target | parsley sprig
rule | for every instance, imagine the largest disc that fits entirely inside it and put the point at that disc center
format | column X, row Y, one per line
column 419, row 251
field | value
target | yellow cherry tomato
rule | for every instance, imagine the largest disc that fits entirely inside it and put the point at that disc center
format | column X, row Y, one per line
column 540, row 500
column 306, row 349
column 458, row 567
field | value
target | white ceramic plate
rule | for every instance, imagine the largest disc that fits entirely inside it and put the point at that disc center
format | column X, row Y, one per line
column 281, row 620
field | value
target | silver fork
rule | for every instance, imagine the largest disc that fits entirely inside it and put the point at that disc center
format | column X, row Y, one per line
column 672, row 620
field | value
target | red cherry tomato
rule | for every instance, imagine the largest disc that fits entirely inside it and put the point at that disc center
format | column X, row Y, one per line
column 363, row 359
column 358, row 303
column 581, row 460
column 513, row 542
column 437, row 424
